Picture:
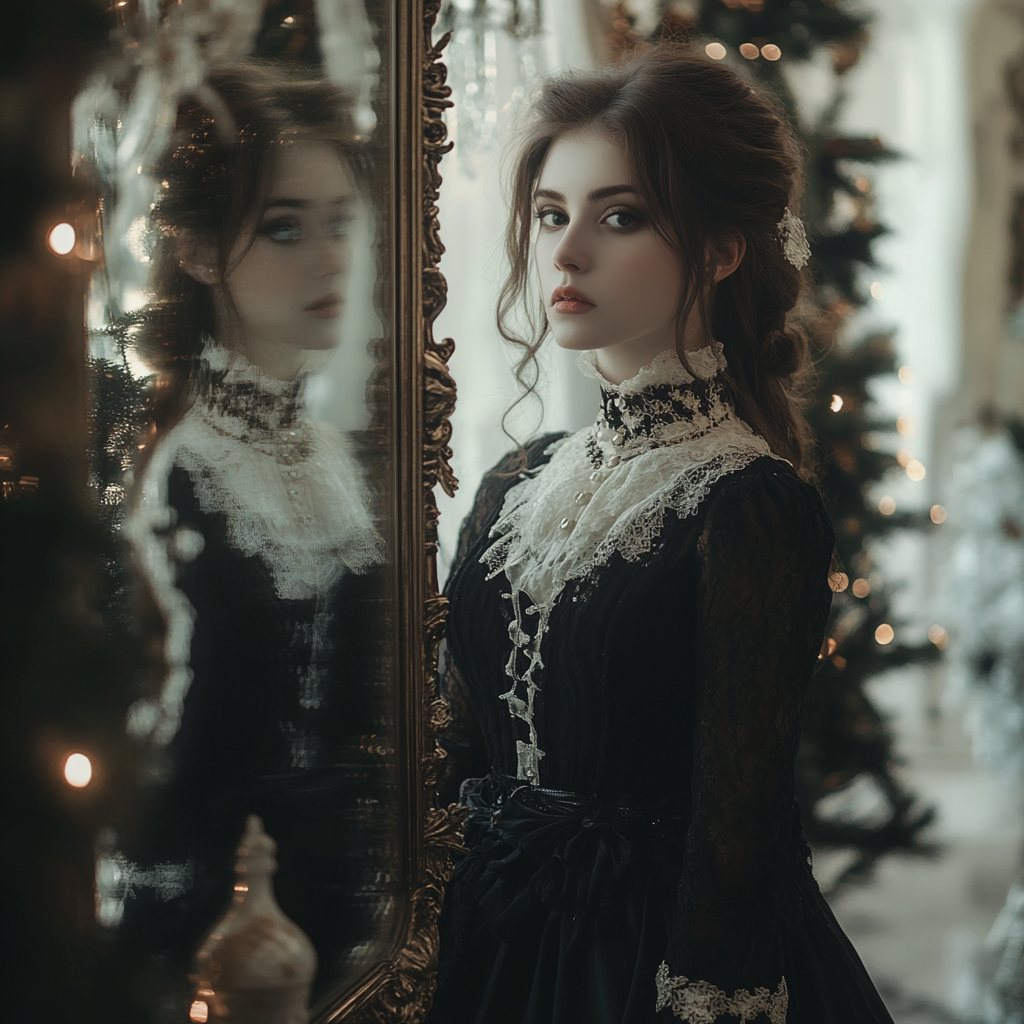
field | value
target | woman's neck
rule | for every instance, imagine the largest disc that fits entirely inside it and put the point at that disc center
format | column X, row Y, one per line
column 625, row 360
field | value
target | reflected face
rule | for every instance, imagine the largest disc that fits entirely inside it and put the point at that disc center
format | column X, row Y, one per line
column 288, row 286
column 607, row 279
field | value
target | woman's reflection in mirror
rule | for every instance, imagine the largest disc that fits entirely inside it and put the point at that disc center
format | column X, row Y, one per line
column 254, row 535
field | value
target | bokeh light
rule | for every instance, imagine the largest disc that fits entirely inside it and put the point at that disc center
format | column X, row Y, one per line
column 887, row 505
column 838, row 581
column 750, row 51
column 915, row 470
column 199, row 1012
column 78, row 771
column 905, row 425
column 716, row 51
column 938, row 636
column 937, row 514
column 877, row 291
column 61, row 238
column 861, row 588
column 771, row 52
column 906, row 375
column 837, row 403
column 885, row 633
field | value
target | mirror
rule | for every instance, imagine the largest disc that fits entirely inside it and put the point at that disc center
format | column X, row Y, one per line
column 268, row 417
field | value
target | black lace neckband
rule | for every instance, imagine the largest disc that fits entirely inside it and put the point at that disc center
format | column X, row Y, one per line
column 663, row 402
column 233, row 388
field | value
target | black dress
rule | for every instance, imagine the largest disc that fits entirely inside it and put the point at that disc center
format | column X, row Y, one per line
column 634, row 621
column 273, row 698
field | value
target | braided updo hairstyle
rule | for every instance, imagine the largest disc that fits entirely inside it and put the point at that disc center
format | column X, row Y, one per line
column 213, row 183
column 710, row 157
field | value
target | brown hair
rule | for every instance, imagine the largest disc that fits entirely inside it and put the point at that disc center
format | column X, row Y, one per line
column 217, row 175
column 710, row 156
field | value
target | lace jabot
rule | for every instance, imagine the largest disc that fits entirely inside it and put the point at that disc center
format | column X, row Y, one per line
column 660, row 442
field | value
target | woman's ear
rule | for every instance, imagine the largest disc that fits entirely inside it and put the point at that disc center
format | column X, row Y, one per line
column 198, row 259
column 727, row 254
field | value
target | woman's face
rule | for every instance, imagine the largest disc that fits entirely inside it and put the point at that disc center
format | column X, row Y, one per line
column 608, row 280
column 287, row 287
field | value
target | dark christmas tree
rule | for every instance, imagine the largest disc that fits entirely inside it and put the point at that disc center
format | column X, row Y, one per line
column 846, row 739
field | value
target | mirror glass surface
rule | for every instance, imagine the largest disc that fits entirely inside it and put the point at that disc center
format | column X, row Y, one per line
column 240, row 324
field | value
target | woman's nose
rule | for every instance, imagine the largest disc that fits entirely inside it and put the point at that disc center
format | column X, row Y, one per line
column 330, row 255
column 570, row 254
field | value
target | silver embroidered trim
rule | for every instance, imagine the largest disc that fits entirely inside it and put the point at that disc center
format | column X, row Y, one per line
column 673, row 469
column 699, row 1002
column 793, row 237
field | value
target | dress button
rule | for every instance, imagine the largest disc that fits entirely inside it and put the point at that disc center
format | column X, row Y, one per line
column 567, row 523
column 583, row 498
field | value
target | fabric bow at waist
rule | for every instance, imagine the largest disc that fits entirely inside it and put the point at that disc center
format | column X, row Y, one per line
column 534, row 847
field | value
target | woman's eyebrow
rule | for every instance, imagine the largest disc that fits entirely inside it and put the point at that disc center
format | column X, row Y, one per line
column 592, row 197
column 302, row 204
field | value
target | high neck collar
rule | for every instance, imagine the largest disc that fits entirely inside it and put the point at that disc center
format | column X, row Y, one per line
column 664, row 402
column 240, row 391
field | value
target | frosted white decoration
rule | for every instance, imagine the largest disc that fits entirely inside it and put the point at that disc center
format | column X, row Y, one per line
column 671, row 468
column 699, row 1002
column 793, row 236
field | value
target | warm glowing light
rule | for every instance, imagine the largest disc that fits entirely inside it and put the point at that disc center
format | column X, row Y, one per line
column 289, row 20
column 61, row 238
column 716, row 51
column 839, row 661
column 915, row 470
column 863, row 184
column 877, row 291
column 938, row 636
column 905, row 425
column 887, row 505
column 937, row 514
column 906, row 375
column 861, row 588
column 838, row 581
column 885, row 633
column 830, row 647
column 199, row 1012
column 904, row 457
column 771, row 52
column 837, row 403
column 78, row 771
column 750, row 51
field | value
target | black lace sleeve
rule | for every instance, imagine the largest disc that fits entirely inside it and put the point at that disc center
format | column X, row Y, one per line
column 462, row 741
column 763, row 601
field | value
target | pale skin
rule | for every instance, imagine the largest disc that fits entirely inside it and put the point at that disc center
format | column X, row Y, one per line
column 596, row 240
column 284, row 288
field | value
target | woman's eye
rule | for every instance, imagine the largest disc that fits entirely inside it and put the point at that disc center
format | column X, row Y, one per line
column 552, row 218
column 337, row 227
column 288, row 230
column 622, row 219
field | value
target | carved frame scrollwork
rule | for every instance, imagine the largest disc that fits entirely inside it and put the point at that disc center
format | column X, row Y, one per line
column 400, row 990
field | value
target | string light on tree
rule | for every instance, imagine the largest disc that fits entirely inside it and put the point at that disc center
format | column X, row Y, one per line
column 61, row 238
column 885, row 634
column 78, row 771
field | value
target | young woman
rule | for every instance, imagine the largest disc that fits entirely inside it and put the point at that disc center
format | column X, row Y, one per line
column 253, row 532
column 637, row 609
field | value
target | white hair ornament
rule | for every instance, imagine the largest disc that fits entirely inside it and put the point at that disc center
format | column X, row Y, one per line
column 793, row 237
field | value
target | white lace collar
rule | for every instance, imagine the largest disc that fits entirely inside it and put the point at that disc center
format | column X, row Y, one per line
column 664, row 368
column 661, row 441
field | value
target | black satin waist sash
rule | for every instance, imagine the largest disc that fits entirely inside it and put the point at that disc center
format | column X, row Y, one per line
column 532, row 847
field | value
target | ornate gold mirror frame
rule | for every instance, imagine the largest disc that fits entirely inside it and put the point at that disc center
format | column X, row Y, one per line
column 401, row 988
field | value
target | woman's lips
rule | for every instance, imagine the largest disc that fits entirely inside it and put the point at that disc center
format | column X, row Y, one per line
column 568, row 300
column 326, row 308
